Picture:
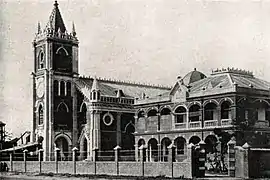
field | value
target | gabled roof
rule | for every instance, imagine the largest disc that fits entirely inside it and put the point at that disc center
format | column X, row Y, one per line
column 56, row 22
column 111, row 88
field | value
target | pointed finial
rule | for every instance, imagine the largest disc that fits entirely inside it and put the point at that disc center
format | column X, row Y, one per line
column 73, row 29
column 55, row 3
column 38, row 28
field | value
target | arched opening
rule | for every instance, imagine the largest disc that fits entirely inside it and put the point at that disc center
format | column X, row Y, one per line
column 82, row 116
column 210, row 111
column 194, row 113
column 141, row 142
column 165, row 111
column 180, row 114
column 128, row 139
column 151, row 123
column 153, row 149
column 152, row 112
column 226, row 110
column 56, row 87
column 40, row 115
column 180, row 144
column 194, row 140
column 165, row 142
column 63, row 145
column 62, row 88
column 85, row 148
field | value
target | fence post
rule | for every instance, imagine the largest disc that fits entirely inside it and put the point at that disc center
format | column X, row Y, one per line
column 116, row 158
column 136, row 153
column 40, row 159
column 94, row 160
column 74, row 152
column 56, row 151
column 11, row 161
column 202, row 157
column 142, row 157
column 190, row 148
column 24, row 159
column 246, row 148
column 231, row 160
column 171, row 157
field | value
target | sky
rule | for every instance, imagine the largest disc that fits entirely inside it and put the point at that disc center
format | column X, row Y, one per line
column 150, row 41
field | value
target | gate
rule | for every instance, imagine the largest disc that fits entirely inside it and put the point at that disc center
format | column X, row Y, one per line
column 198, row 162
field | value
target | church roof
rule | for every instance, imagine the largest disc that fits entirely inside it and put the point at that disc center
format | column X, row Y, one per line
column 111, row 88
column 56, row 22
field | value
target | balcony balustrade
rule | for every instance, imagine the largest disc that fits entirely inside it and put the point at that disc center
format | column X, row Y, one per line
column 196, row 124
column 226, row 122
column 210, row 123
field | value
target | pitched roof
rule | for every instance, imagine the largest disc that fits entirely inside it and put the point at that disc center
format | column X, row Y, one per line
column 55, row 20
column 110, row 88
column 2, row 124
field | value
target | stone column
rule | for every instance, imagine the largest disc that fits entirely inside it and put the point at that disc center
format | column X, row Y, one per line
column 142, row 157
column 96, row 130
column 171, row 157
column 40, row 152
column 117, row 158
column 246, row 148
column 187, row 119
column 46, row 131
column 190, row 148
column 90, row 130
column 118, row 128
column 51, row 113
column 34, row 123
column 11, row 161
column 219, row 115
column 74, row 152
column 159, row 152
column 74, row 116
column 136, row 152
column 231, row 160
column 25, row 159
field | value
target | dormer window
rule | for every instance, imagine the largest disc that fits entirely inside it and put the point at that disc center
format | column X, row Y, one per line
column 41, row 60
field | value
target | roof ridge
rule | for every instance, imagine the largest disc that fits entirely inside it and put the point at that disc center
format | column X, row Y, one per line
column 117, row 81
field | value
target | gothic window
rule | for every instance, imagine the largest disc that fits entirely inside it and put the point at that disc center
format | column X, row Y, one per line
column 62, row 88
column 41, row 60
column 68, row 88
column 40, row 115
column 56, row 87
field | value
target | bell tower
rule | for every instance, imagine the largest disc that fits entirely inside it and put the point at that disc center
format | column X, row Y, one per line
column 54, row 94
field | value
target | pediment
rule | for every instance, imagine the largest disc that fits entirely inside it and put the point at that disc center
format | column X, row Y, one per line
column 179, row 92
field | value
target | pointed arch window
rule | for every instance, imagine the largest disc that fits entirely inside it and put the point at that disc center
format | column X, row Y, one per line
column 40, row 115
column 68, row 88
column 41, row 58
column 62, row 88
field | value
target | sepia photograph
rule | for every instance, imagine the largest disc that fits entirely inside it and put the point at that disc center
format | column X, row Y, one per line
column 134, row 89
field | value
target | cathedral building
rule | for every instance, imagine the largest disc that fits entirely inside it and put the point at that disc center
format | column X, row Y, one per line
column 89, row 113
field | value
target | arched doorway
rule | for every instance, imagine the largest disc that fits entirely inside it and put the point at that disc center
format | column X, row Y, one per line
column 181, row 147
column 128, row 139
column 62, row 143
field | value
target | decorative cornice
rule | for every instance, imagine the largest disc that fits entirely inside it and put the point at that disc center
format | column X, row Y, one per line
column 232, row 70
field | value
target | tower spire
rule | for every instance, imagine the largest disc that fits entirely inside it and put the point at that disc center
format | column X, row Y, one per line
column 55, row 20
column 73, row 29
